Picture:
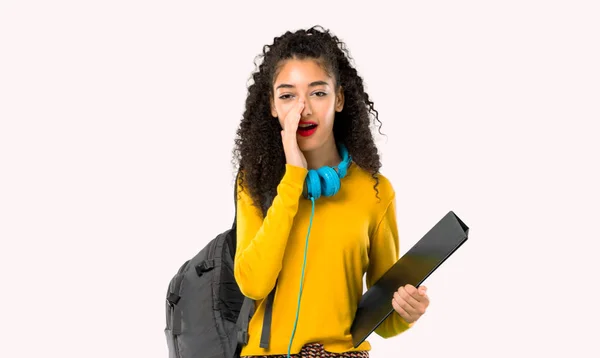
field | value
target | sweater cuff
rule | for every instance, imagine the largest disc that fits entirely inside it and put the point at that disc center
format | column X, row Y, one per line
column 295, row 176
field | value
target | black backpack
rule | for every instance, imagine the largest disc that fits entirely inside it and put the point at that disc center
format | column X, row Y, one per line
column 207, row 315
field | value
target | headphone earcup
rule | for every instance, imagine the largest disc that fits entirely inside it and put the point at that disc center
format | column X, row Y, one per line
column 330, row 184
column 326, row 180
column 313, row 184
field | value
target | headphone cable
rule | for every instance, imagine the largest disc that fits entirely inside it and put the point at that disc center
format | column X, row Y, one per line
column 312, row 214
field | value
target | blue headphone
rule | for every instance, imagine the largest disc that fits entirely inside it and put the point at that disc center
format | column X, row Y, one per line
column 326, row 180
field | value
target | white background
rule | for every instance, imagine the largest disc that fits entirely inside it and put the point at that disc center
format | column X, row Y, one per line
column 117, row 125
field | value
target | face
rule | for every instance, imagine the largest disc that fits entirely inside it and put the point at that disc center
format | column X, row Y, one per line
column 307, row 80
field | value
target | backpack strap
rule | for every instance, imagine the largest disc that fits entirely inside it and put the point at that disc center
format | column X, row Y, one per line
column 235, row 195
column 246, row 312
column 173, row 298
column 232, row 243
column 266, row 330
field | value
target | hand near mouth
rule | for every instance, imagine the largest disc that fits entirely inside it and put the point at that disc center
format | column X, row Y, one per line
column 293, row 155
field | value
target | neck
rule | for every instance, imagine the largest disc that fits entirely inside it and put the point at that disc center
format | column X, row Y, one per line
column 326, row 155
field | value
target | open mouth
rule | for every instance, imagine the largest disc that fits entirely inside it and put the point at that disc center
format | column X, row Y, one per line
column 307, row 129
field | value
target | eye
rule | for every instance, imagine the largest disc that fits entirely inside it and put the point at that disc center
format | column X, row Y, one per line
column 285, row 96
column 320, row 94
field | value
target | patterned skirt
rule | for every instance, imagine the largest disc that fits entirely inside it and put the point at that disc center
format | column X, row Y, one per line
column 316, row 350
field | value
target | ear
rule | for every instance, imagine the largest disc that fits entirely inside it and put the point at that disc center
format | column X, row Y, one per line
column 273, row 110
column 339, row 100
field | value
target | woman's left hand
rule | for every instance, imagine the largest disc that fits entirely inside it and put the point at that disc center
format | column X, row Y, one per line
column 410, row 302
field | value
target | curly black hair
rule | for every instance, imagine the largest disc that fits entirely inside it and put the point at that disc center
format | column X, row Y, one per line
column 258, row 152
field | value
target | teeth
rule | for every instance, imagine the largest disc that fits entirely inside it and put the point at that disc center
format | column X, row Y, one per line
column 306, row 125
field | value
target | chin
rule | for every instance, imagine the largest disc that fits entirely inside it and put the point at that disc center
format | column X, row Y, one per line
column 307, row 144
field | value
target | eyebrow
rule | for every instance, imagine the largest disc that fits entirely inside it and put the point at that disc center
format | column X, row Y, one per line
column 312, row 84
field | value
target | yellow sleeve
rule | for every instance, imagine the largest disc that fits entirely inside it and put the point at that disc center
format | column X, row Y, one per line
column 383, row 254
column 261, row 243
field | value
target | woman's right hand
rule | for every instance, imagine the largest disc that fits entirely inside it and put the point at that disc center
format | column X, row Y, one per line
column 293, row 155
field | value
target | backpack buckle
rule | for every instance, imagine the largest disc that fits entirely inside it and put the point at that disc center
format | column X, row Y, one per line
column 173, row 298
column 205, row 266
column 242, row 337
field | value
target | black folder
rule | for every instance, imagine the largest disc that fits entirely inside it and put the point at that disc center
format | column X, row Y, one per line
column 412, row 268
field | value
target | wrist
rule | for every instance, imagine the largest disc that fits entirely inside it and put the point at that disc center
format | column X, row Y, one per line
column 290, row 141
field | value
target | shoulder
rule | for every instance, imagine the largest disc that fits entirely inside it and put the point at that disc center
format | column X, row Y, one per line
column 364, row 177
column 373, row 195
column 378, row 183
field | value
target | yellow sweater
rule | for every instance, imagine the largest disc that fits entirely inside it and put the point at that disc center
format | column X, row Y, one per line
column 353, row 233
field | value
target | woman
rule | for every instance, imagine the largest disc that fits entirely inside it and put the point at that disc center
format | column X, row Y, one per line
column 314, row 213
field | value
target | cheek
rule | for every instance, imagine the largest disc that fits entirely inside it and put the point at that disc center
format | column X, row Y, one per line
column 326, row 113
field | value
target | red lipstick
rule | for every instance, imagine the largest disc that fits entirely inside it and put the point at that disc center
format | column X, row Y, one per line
column 306, row 129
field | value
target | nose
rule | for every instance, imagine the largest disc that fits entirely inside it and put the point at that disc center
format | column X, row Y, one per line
column 307, row 107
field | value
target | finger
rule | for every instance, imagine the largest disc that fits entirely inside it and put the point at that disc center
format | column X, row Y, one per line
column 293, row 117
column 299, row 109
column 409, row 298
column 401, row 312
column 412, row 290
column 401, row 300
column 416, row 293
column 419, row 304
column 423, row 294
